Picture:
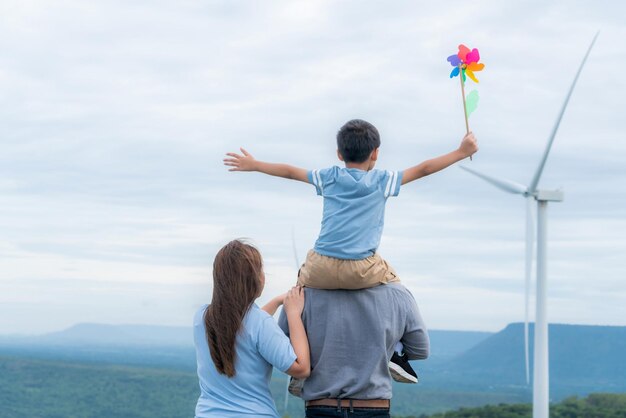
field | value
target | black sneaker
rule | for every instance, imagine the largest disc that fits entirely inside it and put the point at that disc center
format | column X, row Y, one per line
column 295, row 386
column 401, row 370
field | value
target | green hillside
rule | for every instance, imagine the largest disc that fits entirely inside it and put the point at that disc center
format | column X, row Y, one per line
column 67, row 375
column 598, row 405
column 59, row 389
column 36, row 388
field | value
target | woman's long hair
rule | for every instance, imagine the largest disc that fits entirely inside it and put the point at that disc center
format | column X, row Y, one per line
column 237, row 271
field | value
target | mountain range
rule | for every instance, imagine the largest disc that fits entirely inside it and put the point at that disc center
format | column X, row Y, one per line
column 583, row 358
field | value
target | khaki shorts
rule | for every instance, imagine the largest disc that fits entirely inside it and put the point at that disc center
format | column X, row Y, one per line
column 322, row 272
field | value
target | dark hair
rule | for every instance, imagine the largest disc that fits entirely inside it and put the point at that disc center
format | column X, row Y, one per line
column 356, row 140
column 237, row 271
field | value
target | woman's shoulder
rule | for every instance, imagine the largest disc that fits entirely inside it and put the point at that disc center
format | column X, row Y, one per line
column 198, row 317
column 258, row 322
column 256, row 315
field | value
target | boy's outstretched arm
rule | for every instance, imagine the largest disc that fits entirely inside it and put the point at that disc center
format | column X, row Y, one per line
column 468, row 147
column 246, row 162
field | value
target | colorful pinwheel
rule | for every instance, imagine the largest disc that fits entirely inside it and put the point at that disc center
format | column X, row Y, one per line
column 465, row 62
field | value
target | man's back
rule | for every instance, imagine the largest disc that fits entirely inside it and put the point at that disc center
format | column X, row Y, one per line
column 352, row 334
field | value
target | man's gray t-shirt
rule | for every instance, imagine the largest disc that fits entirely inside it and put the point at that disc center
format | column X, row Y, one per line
column 352, row 334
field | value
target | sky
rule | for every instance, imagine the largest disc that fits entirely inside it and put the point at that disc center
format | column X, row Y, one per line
column 115, row 117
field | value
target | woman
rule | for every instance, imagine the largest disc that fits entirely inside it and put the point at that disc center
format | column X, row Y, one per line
column 237, row 343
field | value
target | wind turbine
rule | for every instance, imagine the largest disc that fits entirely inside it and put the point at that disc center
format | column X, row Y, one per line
column 542, row 196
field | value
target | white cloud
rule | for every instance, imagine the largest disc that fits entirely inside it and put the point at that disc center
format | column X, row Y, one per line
column 115, row 117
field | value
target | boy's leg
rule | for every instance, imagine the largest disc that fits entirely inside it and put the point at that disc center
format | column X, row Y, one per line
column 401, row 370
column 399, row 366
column 368, row 272
column 295, row 386
column 319, row 271
column 322, row 272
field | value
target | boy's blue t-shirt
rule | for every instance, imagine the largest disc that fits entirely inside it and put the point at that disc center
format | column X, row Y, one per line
column 260, row 345
column 354, row 209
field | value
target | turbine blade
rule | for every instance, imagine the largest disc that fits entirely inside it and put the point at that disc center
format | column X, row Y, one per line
column 530, row 240
column 506, row 185
column 293, row 246
column 535, row 181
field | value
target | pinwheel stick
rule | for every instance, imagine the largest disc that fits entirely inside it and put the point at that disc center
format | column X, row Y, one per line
column 464, row 105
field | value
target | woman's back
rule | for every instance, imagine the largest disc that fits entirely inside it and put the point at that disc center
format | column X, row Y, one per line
column 260, row 344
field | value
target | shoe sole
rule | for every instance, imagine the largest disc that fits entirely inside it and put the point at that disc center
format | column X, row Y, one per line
column 400, row 375
column 295, row 387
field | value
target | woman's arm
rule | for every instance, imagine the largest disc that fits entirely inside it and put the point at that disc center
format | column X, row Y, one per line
column 294, row 305
column 271, row 306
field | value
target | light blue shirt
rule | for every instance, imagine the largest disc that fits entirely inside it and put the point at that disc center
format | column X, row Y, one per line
column 260, row 345
column 354, row 209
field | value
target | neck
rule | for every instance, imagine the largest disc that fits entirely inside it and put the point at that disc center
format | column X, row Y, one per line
column 365, row 165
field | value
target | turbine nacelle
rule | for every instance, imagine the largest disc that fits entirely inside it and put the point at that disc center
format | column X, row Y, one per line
column 549, row 195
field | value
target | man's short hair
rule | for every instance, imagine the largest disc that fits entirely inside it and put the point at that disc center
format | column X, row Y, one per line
column 356, row 140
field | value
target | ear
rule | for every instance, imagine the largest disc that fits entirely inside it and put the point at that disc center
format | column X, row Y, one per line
column 339, row 156
column 374, row 155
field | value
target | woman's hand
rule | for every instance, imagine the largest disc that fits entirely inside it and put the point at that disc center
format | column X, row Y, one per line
column 294, row 305
column 294, row 301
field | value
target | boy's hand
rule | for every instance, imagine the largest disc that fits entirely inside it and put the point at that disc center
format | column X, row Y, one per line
column 469, row 145
column 245, row 162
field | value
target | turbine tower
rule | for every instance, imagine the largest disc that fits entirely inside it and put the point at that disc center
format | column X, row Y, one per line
column 541, row 399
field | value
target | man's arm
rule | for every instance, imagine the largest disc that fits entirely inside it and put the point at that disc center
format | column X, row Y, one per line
column 415, row 338
column 246, row 162
column 468, row 147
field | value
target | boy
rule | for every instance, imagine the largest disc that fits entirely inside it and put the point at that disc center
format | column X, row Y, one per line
column 344, row 256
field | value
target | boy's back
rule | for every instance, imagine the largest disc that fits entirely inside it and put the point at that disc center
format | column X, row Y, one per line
column 354, row 209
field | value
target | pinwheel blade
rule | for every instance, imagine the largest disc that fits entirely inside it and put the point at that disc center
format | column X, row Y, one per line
column 454, row 60
column 471, row 75
column 471, row 102
column 535, row 181
column 455, row 72
column 475, row 66
column 463, row 51
column 472, row 56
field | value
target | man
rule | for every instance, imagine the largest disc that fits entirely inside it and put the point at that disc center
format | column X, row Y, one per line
column 352, row 334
